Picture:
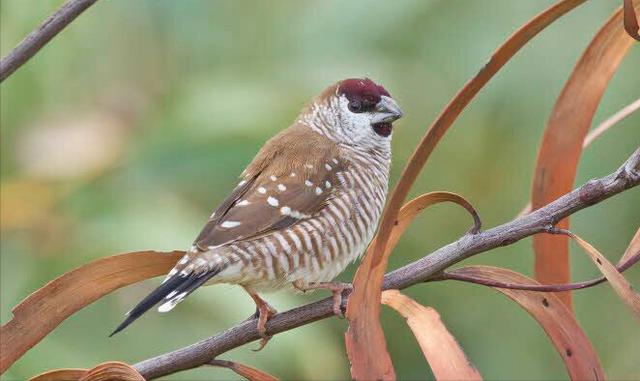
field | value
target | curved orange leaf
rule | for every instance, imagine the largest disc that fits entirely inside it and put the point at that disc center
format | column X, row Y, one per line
column 251, row 374
column 108, row 371
column 554, row 317
column 632, row 249
column 364, row 336
column 60, row 374
column 616, row 280
column 440, row 348
column 630, row 19
column 407, row 214
column 45, row 309
column 561, row 146
column 411, row 209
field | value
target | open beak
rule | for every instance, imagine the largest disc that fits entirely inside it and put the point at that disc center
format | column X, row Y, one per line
column 386, row 111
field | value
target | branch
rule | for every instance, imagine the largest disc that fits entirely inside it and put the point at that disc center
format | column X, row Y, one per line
column 593, row 192
column 31, row 44
column 445, row 275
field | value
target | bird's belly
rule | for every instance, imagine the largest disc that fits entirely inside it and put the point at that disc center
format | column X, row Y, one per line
column 315, row 249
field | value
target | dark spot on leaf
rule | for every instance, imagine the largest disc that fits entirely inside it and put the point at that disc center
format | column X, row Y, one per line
column 569, row 352
column 545, row 302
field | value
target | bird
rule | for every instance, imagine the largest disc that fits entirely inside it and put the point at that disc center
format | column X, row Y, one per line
column 307, row 205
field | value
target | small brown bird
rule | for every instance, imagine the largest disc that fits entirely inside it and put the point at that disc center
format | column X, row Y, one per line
column 307, row 205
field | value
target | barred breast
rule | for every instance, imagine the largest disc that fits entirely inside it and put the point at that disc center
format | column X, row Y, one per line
column 317, row 248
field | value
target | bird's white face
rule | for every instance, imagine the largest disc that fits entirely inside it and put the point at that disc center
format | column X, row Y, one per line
column 359, row 114
column 365, row 128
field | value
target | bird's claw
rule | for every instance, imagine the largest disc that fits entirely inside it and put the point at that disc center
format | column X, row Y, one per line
column 337, row 299
column 264, row 313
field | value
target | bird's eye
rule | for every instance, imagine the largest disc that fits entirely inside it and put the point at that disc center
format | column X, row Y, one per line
column 355, row 106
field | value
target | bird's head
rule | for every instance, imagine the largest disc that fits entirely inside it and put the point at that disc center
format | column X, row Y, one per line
column 354, row 111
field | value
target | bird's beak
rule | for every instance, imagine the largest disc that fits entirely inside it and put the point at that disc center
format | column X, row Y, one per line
column 386, row 111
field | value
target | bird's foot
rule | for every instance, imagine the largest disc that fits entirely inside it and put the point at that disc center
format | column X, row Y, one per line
column 336, row 289
column 264, row 312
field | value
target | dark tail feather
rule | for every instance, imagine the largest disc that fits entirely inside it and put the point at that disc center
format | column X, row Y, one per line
column 180, row 287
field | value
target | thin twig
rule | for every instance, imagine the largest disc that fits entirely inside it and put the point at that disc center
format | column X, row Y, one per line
column 593, row 192
column 536, row 287
column 611, row 121
column 31, row 44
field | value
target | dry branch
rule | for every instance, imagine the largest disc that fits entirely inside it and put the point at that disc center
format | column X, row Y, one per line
column 31, row 44
column 593, row 192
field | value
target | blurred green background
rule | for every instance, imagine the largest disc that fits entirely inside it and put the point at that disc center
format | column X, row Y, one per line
column 131, row 126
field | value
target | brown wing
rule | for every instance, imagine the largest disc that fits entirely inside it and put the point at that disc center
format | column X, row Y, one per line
column 289, row 180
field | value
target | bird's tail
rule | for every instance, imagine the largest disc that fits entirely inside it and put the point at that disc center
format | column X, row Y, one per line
column 173, row 290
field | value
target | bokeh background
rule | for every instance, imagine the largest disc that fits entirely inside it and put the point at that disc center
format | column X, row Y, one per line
column 131, row 126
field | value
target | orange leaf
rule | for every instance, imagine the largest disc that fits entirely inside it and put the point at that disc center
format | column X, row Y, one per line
column 365, row 342
column 251, row 374
column 112, row 370
column 440, row 348
column 60, row 375
column 405, row 217
column 597, row 132
column 411, row 209
column 553, row 315
column 108, row 371
column 563, row 138
column 633, row 249
column 42, row 311
column 630, row 19
column 616, row 280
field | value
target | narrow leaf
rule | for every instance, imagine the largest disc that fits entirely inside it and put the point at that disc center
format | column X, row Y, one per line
column 405, row 217
column 631, row 19
column 633, row 249
column 554, row 317
column 411, row 210
column 364, row 338
column 60, row 375
column 42, row 311
column 251, row 374
column 440, row 348
column 112, row 370
column 563, row 138
column 617, row 281
column 108, row 371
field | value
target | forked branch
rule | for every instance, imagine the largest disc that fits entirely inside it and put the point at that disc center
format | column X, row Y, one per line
column 424, row 269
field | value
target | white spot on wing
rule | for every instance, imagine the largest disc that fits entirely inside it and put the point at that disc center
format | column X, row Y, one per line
column 262, row 190
column 230, row 224
column 327, row 184
column 243, row 203
column 328, row 167
column 168, row 306
column 241, row 183
column 335, row 161
column 318, row 190
column 309, row 166
column 293, row 174
column 285, row 210
column 282, row 187
column 273, row 178
column 272, row 201
column 308, row 183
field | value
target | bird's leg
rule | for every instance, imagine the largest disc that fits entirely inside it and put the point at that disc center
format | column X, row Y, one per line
column 263, row 311
column 336, row 289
